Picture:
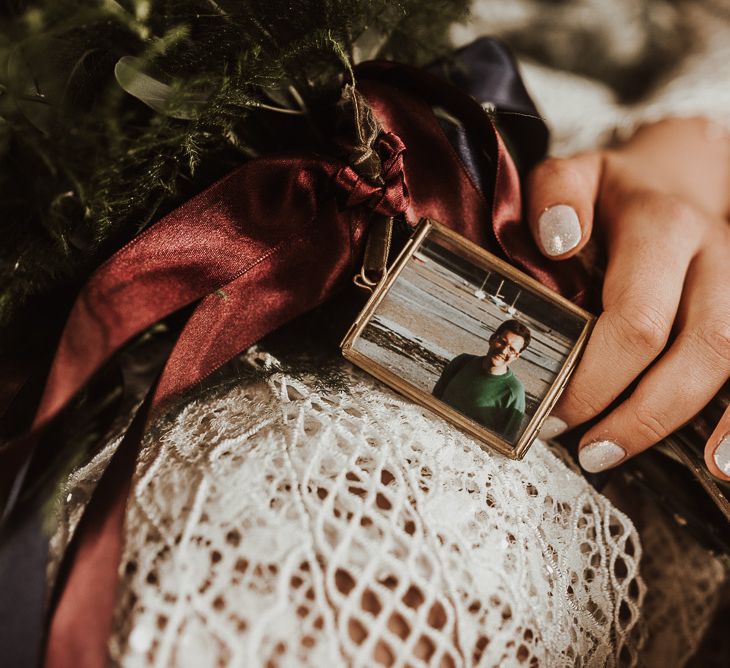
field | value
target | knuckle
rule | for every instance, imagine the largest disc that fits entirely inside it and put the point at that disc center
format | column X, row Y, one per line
column 550, row 170
column 714, row 338
column 643, row 328
column 716, row 241
column 549, row 167
column 581, row 403
column 676, row 210
column 650, row 424
column 670, row 209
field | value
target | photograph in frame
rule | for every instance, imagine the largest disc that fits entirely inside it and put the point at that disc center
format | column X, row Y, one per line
column 470, row 337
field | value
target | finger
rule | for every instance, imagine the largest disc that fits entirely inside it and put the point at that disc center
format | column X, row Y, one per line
column 651, row 243
column 717, row 450
column 681, row 383
column 561, row 196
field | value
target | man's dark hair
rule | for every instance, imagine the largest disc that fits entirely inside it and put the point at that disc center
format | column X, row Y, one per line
column 518, row 328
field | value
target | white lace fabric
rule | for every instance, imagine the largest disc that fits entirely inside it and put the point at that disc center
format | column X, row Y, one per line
column 283, row 524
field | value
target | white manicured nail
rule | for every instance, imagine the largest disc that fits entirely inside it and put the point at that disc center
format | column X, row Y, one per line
column 600, row 455
column 552, row 427
column 722, row 455
column 559, row 229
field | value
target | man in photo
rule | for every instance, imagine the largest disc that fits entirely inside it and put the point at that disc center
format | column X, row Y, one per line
column 483, row 387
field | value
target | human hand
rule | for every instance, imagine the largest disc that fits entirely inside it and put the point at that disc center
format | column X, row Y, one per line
column 661, row 204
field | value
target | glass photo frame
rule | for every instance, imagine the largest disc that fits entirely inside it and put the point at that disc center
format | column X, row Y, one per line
column 470, row 337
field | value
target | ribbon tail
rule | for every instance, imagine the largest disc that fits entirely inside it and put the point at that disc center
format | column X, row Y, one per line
column 91, row 584
column 184, row 257
column 319, row 257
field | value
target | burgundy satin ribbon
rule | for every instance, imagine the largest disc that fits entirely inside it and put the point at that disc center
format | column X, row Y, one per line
column 270, row 241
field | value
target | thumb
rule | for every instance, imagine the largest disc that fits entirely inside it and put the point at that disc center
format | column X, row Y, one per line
column 561, row 197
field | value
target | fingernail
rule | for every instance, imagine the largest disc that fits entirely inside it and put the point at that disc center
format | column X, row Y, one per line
column 722, row 455
column 600, row 455
column 559, row 229
column 552, row 427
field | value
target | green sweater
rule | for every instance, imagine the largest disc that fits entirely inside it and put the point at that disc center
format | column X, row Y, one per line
column 497, row 402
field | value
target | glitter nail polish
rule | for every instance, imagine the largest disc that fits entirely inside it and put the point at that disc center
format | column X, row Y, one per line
column 559, row 229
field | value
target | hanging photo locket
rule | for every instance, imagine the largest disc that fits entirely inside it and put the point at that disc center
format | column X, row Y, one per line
column 465, row 334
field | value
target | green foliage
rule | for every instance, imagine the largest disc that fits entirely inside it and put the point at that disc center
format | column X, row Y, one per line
column 112, row 112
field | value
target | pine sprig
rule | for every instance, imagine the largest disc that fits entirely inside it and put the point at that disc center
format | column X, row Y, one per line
column 114, row 112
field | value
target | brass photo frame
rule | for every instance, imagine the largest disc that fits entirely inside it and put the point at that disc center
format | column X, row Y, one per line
column 432, row 321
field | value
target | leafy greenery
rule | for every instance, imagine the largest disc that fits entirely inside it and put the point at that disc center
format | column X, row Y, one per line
column 113, row 112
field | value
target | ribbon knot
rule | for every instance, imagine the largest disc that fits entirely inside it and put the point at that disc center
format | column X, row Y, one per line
column 389, row 197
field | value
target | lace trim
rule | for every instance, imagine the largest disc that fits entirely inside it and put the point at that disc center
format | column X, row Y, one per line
column 279, row 524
